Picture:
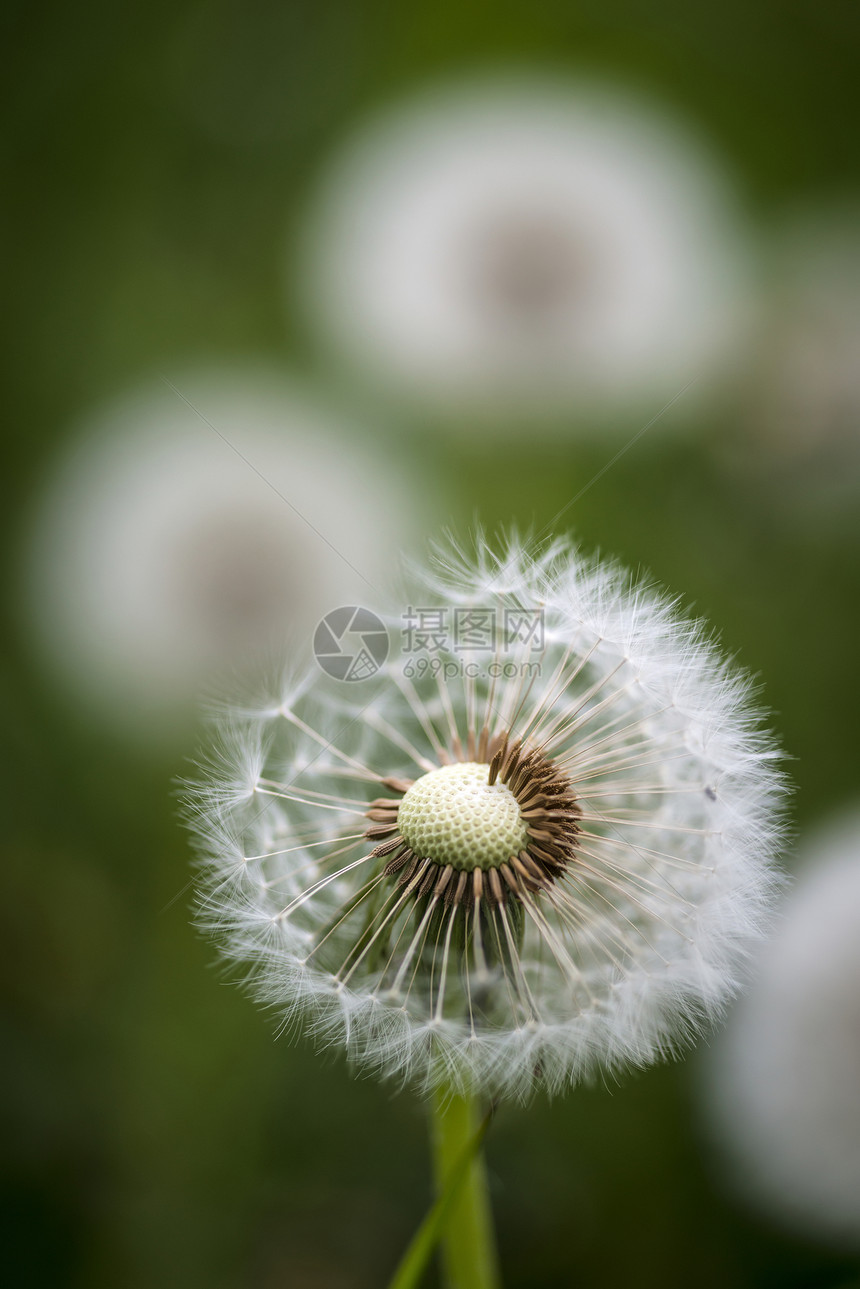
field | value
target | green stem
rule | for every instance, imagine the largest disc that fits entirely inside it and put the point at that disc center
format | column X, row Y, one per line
column 468, row 1243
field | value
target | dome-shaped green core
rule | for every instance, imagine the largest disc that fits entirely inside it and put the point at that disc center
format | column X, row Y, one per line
column 454, row 816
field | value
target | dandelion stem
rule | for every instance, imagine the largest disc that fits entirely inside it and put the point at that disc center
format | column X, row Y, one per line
column 468, row 1241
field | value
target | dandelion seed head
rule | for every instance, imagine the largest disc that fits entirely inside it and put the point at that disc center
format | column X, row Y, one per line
column 523, row 867
column 524, row 245
column 187, row 530
column 798, row 445
column 779, row 1087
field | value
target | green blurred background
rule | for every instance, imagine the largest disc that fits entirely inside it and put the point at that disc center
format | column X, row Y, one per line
column 156, row 158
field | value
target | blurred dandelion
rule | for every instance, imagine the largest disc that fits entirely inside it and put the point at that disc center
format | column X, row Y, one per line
column 193, row 530
column 528, row 246
column 503, row 869
column 801, row 427
column 781, row 1086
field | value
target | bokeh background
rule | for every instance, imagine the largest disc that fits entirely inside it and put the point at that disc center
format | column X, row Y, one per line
column 159, row 163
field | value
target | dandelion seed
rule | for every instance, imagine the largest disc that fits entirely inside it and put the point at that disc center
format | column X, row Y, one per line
column 566, row 841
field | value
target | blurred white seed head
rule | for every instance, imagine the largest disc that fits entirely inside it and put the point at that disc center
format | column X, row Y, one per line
column 182, row 535
column 509, row 864
column 782, row 1085
column 802, row 421
column 513, row 247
